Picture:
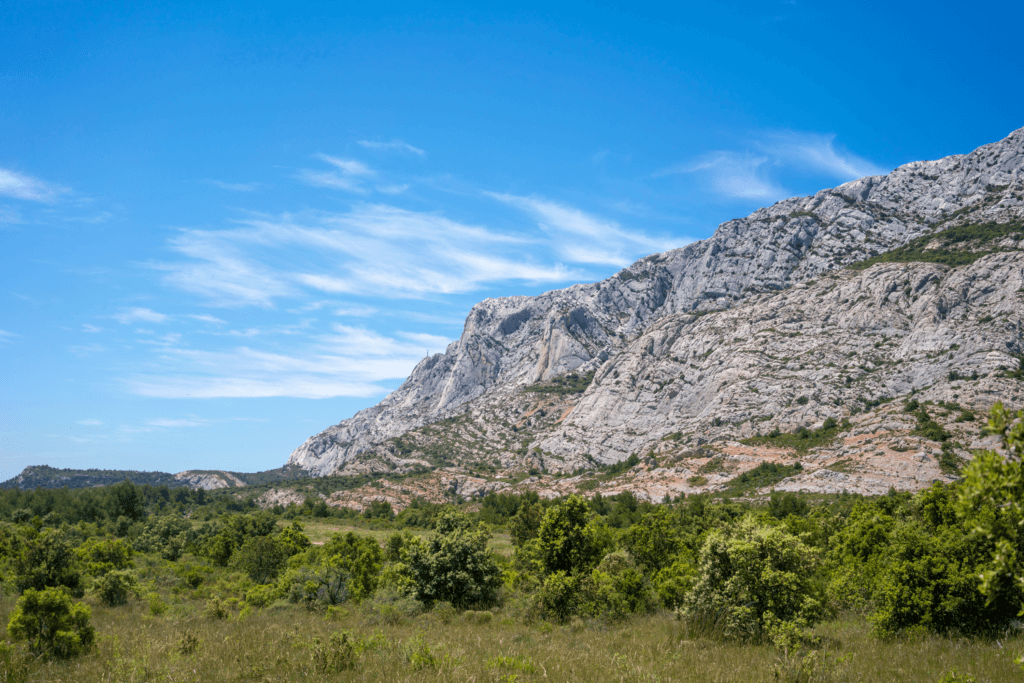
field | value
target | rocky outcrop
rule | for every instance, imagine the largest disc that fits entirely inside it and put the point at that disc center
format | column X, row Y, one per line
column 849, row 341
column 629, row 322
column 208, row 480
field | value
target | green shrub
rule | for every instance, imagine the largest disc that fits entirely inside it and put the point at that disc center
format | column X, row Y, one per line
column 674, row 582
column 47, row 561
column 393, row 607
column 316, row 587
column 361, row 557
column 157, row 606
column 995, row 484
column 52, row 623
column 455, row 564
column 115, row 587
column 752, row 577
column 262, row 595
column 569, row 541
column 100, row 556
column 615, row 589
column 262, row 558
column 216, row 610
column 559, row 595
column 653, row 541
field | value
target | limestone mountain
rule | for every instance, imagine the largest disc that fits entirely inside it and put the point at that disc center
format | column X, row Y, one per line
column 724, row 334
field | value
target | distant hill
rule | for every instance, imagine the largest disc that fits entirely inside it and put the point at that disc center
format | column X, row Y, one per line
column 46, row 477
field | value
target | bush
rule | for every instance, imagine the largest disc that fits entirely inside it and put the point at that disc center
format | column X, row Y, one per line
column 102, row 556
column 569, row 541
column 262, row 558
column 216, row 610
column 316, row 587
column 559, row 595
column 653, row 541
column 261, row 596
column 361, row 557
column 674, row 582
column 616, row 589
column 393, row 607
column 116, row 586
column 995, row 483
column 52, row 623
column 753, row 577
column 47, row 561
column 455, row 565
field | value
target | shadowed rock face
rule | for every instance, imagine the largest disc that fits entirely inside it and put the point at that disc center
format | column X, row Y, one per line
column 516, row 341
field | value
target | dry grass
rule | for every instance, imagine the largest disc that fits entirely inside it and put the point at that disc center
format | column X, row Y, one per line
column 278, row 644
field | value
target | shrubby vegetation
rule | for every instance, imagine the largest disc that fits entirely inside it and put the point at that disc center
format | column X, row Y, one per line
column 944, row 561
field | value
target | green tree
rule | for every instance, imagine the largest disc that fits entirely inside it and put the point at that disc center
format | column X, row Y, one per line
column 455, row 565
column 100, row 556
column 994, row 482
column 52, row 623
column 128, row 501
column 525, row 523
column 47, row 561
column 361, row 557
column 753, row 578
column 569, row 540
column 293, row 539
column 262, row 558
column 653, row 541
column 116, row 586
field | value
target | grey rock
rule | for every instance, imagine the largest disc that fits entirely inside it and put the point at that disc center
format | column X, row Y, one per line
column 643, row 327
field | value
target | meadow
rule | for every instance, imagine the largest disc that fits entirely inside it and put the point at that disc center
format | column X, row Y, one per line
column 145, row 583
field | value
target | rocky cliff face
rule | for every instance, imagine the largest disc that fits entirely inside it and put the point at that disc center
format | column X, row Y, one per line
column 727, row 331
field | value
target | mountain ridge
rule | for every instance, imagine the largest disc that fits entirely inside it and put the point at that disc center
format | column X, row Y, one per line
column 516, row 341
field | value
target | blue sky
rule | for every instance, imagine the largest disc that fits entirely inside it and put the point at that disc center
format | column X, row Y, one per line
column 226, row 225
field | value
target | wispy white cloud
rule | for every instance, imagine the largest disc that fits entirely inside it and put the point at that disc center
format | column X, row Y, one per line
column 393, row 146
column 166, row 422
column 6, row 336
column 355, row 311
column 347, row 177
column 139, row 315
column 208, row 319
column 347, row 166
column 817, row 152
column 734, row 175
column 331, row 180
column 754, row 173
column 222, row 270
column 21, row 186
column 349, row 361
column 90, row 423
column 579, row 237
column 92, row 329
column 372, row 250
column 392, row 189
column 87, row 350
column 234, row 187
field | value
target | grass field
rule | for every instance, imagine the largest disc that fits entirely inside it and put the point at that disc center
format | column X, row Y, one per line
column 279, row 644
column 320, row 531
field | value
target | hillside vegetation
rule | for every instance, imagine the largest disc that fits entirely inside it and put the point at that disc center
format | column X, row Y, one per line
column 142, row 583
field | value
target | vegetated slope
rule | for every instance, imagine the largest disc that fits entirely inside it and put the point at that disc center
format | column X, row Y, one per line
column 516, row 341
column 45, row 477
